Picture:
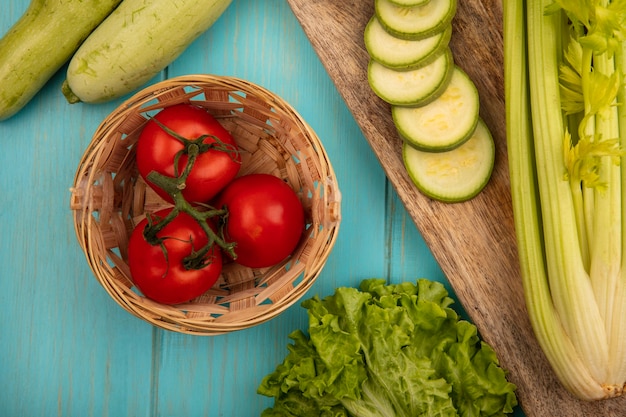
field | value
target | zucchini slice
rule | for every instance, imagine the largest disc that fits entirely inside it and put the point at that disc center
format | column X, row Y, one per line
column 409, row 2
column 402, row 54
column 415, row 22
column 444, row 123
column 454, row 176
column 416, row 87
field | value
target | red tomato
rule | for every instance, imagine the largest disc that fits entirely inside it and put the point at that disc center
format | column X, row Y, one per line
column 166, row 280
column 265, row 219
column 212, row 170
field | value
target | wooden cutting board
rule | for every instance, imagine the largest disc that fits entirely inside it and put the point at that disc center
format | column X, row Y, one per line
column 474, row 242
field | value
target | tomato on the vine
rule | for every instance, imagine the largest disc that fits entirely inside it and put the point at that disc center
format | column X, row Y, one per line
column 161, row 271
column 216, row 165
column 265, row 219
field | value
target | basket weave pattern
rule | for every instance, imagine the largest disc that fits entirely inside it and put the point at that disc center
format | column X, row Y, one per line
column 109, row 198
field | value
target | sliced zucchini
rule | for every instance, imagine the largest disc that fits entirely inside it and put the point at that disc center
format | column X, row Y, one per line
column 415, row 22
column 444, row 123
column 457, row 175
column 409, row 2
column 402, row 54
column 416, row 87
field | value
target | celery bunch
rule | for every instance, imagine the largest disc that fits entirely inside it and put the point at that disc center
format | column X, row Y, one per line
column 566, row 127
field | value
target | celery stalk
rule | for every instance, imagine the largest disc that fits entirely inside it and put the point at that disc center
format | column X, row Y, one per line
column 575, row 303
column 544, row 319
column 617, row 326
column 568, row 188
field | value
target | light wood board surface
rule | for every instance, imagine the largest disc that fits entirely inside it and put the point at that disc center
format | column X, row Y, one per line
column 474, row 242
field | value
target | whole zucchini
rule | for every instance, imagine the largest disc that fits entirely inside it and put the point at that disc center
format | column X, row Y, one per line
column 40, row 43
column 139, row 39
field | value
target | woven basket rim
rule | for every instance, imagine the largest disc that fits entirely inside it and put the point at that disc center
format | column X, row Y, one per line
column 107, row 198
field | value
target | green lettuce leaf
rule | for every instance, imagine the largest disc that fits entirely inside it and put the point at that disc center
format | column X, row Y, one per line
column 388, row 350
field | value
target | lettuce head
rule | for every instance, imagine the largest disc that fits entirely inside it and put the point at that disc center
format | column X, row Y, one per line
column 388, row 350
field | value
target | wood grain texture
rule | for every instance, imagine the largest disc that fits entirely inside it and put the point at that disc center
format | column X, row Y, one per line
column 474, row 242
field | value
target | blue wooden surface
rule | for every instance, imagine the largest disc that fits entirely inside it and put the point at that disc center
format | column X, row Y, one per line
column 66, row 349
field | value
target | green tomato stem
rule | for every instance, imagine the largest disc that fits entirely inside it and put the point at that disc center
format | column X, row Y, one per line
column 174, row 187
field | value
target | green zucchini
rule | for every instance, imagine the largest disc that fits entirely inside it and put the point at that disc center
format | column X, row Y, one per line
column 138, row 40
column 416, row 22
column 456, row 175
column 444, row 123
column 40, row 43
column 403, row 54
column 409, row 3
column 411, row 88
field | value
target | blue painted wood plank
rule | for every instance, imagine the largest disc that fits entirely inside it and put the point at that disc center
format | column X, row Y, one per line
column 409, row 256
column 65, row 347
column 263, row 42
column 63, row 339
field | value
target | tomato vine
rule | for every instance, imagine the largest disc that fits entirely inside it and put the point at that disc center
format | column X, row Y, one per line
column 202, row 213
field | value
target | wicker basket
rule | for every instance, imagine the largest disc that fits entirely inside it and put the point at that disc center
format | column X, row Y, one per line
column 109, row 197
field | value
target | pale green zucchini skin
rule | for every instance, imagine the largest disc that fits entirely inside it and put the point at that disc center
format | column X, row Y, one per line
column 138, row 40
column 40, row 43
